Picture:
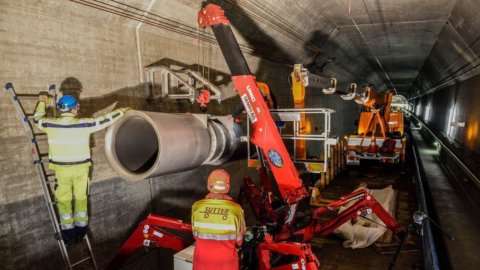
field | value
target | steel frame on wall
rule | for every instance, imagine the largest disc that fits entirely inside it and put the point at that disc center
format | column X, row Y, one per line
column 189, row 80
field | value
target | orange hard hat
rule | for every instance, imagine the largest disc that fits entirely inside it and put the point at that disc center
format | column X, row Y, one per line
column 218, row 181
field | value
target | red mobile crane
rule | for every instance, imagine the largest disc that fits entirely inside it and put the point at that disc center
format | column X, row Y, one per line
column 277, row 229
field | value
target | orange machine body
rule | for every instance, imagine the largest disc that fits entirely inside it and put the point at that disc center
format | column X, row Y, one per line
column 379, row 133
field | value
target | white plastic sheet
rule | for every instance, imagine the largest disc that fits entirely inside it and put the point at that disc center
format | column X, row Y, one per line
column 364, row 233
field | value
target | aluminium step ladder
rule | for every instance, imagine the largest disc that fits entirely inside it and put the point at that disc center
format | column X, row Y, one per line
column 47, row 180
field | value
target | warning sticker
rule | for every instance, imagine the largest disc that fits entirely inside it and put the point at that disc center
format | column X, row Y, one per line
column 249, row 109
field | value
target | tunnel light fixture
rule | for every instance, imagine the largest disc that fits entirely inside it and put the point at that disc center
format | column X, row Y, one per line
column 428, row 110
column 451, row 117
column 418, row 110
column 453, row 123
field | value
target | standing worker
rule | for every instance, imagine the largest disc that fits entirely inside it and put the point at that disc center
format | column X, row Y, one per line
column 218, row 226
column 69, row 156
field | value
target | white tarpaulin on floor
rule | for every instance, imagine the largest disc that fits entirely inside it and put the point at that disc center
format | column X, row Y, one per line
column 364, row 232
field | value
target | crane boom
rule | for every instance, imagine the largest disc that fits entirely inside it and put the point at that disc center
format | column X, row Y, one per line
column 265, row 134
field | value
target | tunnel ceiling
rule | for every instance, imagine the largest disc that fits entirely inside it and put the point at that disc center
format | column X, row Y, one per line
column 409, row 45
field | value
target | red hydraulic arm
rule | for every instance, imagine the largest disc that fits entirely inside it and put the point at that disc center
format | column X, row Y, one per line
column 260, row 199
column 365, row 204
column 304, row 257
column 264, row 133
column 151, row 234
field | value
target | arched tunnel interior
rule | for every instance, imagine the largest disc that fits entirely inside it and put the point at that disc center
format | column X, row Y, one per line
column 416, row 61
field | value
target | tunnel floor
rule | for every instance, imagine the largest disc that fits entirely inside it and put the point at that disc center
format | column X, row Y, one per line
column 330, row 251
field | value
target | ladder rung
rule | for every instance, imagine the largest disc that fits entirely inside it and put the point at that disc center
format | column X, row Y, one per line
column 51, row 182
column 27, row 96
column 39, row 134
column 42, row 155
column 49, row 175
column 81, row 261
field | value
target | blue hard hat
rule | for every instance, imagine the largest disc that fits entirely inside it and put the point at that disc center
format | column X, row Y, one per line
column 67, row 103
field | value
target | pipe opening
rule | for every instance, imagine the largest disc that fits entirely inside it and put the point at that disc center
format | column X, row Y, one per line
column 136, row 145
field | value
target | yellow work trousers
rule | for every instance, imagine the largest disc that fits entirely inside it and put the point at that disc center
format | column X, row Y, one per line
column 72, row 184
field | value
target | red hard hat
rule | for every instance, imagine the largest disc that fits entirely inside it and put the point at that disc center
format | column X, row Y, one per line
column 218, row 181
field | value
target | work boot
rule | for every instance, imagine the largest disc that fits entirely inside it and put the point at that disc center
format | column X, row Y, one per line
column 69, row 236
column 80, row 233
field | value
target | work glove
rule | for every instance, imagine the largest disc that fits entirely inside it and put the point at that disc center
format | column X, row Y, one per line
column 44, row 97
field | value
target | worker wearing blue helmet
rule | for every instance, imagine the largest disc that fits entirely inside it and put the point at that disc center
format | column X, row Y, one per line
column 70, row 158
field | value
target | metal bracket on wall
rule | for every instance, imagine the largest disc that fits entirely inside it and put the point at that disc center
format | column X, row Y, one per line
column 178, row 84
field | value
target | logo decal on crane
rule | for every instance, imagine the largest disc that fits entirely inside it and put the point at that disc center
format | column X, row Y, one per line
column 250, row 93
column 275, row 158
column 249, row 108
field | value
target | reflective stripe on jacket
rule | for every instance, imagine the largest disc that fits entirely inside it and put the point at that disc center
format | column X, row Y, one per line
column 69, row 137
column 218, row 219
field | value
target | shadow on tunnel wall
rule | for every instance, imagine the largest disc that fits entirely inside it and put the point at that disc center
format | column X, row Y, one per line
column 320, row 59
column 143, row 97
column 134, row 97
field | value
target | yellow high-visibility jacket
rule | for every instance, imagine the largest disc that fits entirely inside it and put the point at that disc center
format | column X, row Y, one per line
column 218, row 219
column 69, row 137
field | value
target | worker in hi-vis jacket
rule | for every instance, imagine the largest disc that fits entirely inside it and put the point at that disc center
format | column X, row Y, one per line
column 218, row 226
column 69, row 156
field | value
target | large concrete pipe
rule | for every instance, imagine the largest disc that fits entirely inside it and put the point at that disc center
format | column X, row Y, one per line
column 147, row 144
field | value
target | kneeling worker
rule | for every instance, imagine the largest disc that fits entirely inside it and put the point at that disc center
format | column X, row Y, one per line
column 69, row 156
column 218, row 226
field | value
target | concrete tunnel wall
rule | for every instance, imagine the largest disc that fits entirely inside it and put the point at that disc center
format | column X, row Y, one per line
column 94, row 56
column 456, row 103
column 447, row 90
